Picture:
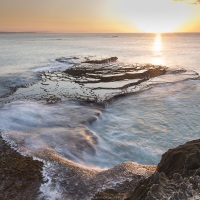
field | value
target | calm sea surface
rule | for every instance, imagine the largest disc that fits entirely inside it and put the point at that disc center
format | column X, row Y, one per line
column 139, row 127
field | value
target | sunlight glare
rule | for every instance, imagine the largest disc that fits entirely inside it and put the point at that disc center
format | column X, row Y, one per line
column 163, row 16
column 155, row 16
column 157, row 50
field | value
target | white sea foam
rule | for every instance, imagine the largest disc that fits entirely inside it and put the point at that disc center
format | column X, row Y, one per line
column 48, row 190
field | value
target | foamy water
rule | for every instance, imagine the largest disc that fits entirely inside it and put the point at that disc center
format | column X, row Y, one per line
column 61, row 128
column 138, row 127
column 123, row 133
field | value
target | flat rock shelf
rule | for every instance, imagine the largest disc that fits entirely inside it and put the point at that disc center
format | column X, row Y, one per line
column 96, row 81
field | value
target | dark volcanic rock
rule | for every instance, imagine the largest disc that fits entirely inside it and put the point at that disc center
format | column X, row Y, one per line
column 20, row 177
column 184, row 159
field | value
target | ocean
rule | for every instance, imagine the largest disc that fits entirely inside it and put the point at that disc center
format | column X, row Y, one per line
column 138, row 126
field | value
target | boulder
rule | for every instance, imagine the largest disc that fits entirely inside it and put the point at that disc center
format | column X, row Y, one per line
column 177, row 178
column 185, row 159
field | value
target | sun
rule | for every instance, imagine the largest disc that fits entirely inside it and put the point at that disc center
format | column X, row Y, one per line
column 162, row 16
column 155, row 16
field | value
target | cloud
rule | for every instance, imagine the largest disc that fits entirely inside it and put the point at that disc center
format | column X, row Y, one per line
column 190, row 1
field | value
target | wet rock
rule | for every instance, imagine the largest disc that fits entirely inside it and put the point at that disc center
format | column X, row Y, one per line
column 87, row 146
column 184, row 159
column 96, row 79
column 52, row 99
column 20, row 177
column 85, row 183
column 103, row 61
column 177, row 176
column 132, row 174
column 89, row 83
column 110, row 194
column 159, row 186
column 96, row 83
column 114, row 73
column 66, row 60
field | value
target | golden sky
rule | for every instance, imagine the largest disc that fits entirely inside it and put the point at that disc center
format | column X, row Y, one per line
column 100, row 15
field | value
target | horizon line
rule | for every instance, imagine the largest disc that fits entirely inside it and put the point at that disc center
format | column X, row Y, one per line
column 51, row 32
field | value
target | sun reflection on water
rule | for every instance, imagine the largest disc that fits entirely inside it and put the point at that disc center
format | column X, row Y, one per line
column 158, row 61
column 157, row 50
column 157, row 47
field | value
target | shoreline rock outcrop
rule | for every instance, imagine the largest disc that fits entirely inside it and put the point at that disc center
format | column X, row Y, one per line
column 95, row 80
column 20, row 176
column 185, row 160
column 177, row 177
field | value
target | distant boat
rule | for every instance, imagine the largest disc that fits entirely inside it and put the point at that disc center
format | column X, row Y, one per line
column 114, row 36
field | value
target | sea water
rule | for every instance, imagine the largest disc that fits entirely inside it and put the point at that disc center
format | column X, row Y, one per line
column 139, row 127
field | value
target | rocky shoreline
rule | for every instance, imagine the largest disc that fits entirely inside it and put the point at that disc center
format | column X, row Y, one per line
column 177, row 176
